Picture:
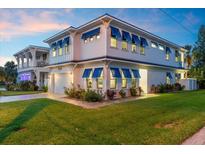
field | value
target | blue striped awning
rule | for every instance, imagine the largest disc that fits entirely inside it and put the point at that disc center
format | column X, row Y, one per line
column 168, row 50
column 115, row 72
column 90, row 33
column 169, row 75
column 66, row 41
column 126, row 36
column 97, row 72
column 143, row 42
column 135, row 39
column 136, row 73
column 86, row 73
column 60, row 43
column 115, row 32
column 126, row 73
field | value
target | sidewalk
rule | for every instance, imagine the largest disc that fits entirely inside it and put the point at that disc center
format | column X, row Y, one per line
column 197, row 139
column 62, row 98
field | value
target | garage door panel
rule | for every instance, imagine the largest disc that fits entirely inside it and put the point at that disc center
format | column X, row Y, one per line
column 61, row 81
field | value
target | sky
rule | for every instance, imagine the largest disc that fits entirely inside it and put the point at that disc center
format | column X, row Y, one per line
column 22, row 27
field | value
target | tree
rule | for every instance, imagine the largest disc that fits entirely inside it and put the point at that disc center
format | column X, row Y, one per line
column 198, row 56
column 199, row 49
column 188, row 57
column 2, row 74
column 10, row 72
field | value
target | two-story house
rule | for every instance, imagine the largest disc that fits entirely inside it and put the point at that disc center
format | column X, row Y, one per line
column 108, row 53
column 30, row 64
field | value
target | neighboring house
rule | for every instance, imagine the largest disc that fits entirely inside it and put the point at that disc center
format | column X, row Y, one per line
column 31, row 62
column 108, row 53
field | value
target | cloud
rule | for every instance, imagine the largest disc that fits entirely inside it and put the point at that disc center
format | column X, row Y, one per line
column 21, row 22
column 4, row 59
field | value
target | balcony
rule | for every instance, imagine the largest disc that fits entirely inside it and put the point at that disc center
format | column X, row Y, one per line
column 41, row 63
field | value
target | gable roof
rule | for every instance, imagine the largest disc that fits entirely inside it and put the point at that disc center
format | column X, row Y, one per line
column 110, row 17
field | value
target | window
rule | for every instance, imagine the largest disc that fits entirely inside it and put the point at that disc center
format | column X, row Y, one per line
column 66, row 48
column 60, row 51
column 154, row 45
column 167, row 55
column 168, row 78
column 142, row 50
column 168, row 81
column 124, row 81
column 113, row 42
column 134, row 48
column 89, row 83
column 176, row 55
column 177, row 77
column 124, row 45
column 54, row 52
column 161, row 47
column 134, row 82
column 100, row 83
column 113, row 83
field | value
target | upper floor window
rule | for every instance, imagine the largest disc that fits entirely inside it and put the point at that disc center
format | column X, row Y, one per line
column 66, row 49
column 66, row 43
column 161, row 47
column 154, row 45
column 115, row 35
column 90, row 35
column 113, row 42
column 142, row 50
column 54, row 52
column 143, row 44
column 168, row 52
column 134, row 48
column 60, row 51
column 124, row 45
column 60, row 45
column 176, row 55
column 126, row 38
column 135, row 42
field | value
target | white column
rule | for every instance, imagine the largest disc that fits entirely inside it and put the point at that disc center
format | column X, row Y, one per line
column 22, row 62
column 33, row 53
column 106, row 74
column 17, row 59
column 27, row 59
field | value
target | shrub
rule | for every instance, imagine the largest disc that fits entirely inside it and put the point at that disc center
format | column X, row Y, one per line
column 45, row 88
column 111, row 94
column 92, row 96
column 201, row 84
column 27, row 85
column 36, row 88
column 140, row 91
column 122, row 93
column 71, row 93
column 11, row 87
column 133, row 91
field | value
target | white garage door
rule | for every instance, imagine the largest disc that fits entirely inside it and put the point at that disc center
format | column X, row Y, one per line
column 61, row 81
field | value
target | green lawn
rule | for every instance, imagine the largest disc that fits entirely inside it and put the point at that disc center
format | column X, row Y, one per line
column 13, row 93
column 167, row 119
